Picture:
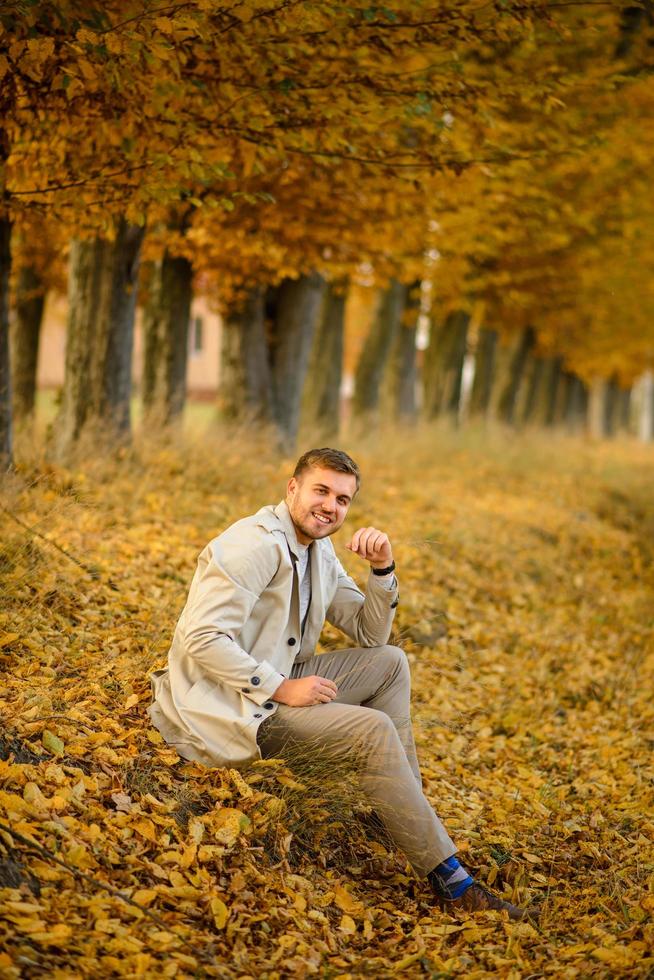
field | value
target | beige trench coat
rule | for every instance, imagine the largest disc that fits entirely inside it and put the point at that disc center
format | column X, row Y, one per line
column 239, row 633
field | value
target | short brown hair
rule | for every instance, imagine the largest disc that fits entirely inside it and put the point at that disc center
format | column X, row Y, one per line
column 329, row 459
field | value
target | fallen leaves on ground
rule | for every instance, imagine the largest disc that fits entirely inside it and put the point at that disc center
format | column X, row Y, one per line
column 527, row 615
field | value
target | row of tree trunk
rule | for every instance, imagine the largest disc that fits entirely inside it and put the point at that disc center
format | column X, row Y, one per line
column 282, row 355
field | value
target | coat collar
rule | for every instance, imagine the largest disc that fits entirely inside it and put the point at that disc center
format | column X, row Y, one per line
column 282, row 513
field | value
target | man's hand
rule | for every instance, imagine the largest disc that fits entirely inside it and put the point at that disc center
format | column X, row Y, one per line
column 373, row 545
column 305, row 691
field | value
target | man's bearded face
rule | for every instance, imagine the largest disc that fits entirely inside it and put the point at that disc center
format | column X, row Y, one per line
column 318, row 501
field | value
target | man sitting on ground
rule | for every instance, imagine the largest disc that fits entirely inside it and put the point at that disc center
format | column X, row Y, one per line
column 243, row 679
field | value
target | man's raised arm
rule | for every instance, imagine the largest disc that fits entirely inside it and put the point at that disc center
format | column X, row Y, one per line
column 368, row 618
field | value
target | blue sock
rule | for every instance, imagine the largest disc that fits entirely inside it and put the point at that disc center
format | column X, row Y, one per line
column 449, row 879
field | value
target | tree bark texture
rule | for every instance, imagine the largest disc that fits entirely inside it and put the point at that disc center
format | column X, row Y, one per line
column 404, row 366
column 508, row 401
column 443, row 365
column 99, row 340
column 624, row 409
column 536, row 378
column 165, row 327
column 6, row 429
column 377, row 349
column 551, row 392
column 611, row 407
column 482, row 384
column 25, row 334
column 646, row 408
column 575, row 403
column 245, row 378
column 322, row 394
column 297, row 306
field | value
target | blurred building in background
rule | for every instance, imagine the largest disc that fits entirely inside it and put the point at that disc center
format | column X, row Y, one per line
column 205, row 330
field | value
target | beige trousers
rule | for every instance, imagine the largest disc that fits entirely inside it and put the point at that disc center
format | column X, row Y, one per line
column 368, row 724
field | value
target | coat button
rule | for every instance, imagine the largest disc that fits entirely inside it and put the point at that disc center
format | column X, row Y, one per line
column 258, row 715
column 292, row 641
column 255, row 680
column 245, row 690
column 268, row 705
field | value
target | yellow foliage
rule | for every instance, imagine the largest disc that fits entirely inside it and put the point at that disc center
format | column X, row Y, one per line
column 527, row 622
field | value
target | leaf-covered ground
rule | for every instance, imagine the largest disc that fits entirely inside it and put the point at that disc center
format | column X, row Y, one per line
column 528, row 616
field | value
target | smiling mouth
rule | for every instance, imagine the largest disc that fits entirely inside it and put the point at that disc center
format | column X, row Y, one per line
column 321, row 518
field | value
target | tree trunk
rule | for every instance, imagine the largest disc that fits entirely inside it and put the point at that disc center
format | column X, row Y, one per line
column 535, row 377
column 611, row 405
column 575, row 403
column 482, row 384
column 509, row 397
column 624, row 409
column 99, row 340
column 323, row 384
column 443, row 365
column 376, row 350
column 297, row 310
column 25, row 334
column 596, row 409
column 150, row 330
column 6, row 447
column 114, row 370
column 165, row 323
column 245, row 377
column 646, row 407
column 552, row 389
column 404, row 367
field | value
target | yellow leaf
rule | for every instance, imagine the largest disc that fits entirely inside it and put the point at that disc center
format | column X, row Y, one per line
column 56, row 935
column 408, row 961
column 79, row 857
column 145, row 828
column 290, row 783
column 189, row 855
column 346, row 902
column 445, row 929
column 196, row 829
column 220, row 912
column 227, row 824
column 52, row 743
column 144, row 896
column 169, row 857
column 131, row 701
column 33, row 795
column 348, row 925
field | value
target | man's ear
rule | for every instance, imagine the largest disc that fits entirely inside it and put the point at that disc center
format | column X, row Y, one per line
column 291, row 486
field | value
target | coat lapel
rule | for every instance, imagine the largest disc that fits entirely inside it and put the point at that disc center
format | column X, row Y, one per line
column 316, row 613
column 317, row 608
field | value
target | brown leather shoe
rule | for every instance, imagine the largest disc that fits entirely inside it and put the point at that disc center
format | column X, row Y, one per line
column 476, row 898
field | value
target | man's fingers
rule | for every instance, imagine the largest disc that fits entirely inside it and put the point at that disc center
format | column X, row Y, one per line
column 374, row 542
column 354, row 543
column 358, row 543
column 368, row 542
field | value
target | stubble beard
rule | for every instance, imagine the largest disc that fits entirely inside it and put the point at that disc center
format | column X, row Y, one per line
column 310, row 532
